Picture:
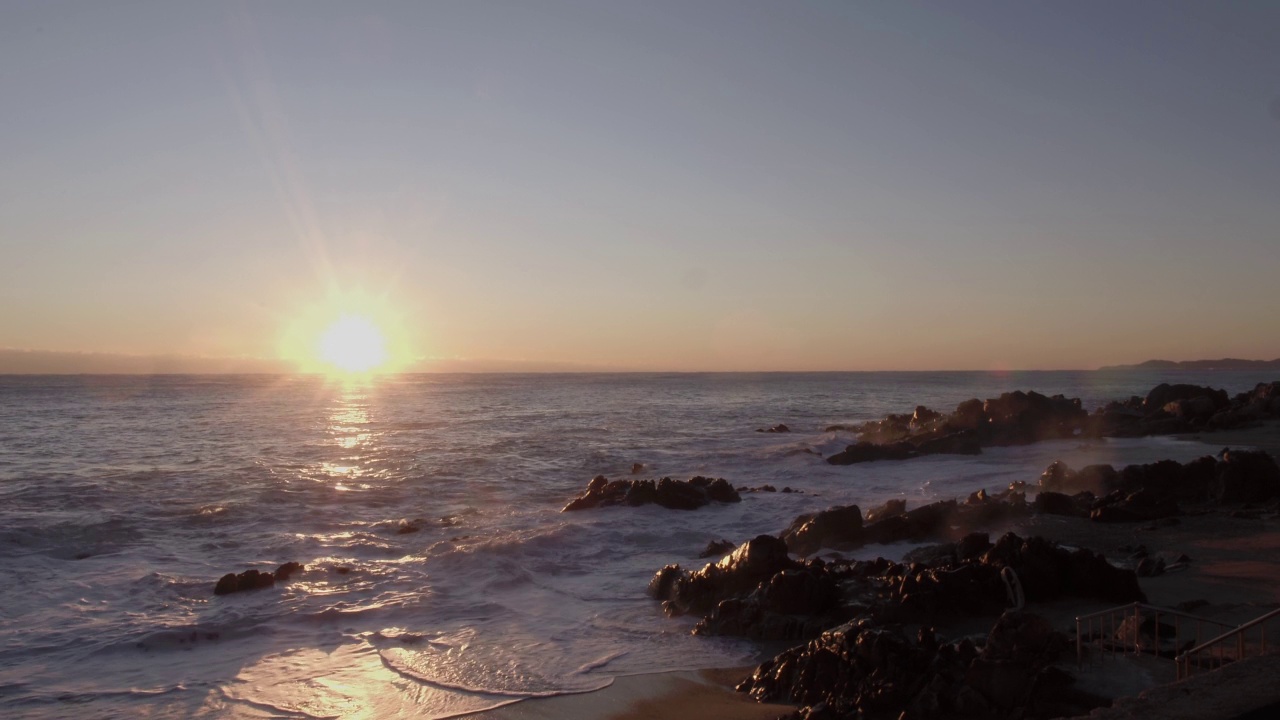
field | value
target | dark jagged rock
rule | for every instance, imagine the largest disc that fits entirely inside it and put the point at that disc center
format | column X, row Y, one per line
column 1245, row 476
column 1097, row 479
column 1141, row 506
column 716, row 548
column 1017, row 418
column 834, row 527
column 254, row 579
column 1054, row 503
column 1151, row 491
column 689, row 495
column 862, row 670
column 794, row 604
column 842, row 528
column 895, row 506
column 866, row 451
column 779, row 428
column 1189, row 396
column 750, row 564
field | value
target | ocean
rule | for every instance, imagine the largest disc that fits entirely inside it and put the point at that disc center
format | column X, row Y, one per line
column 441, row 577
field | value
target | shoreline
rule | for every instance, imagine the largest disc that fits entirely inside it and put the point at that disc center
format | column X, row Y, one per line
column 705, row 694
column 1234, row 562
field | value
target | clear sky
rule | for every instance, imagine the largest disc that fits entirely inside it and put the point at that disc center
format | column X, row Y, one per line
column 645, row 185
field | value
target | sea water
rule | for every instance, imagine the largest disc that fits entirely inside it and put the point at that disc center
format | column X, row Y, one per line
column 441, row 577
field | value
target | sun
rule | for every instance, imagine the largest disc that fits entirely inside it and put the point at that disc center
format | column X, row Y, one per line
column 353, row 344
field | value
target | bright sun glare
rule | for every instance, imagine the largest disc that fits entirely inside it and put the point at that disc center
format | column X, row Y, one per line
column 353, row 344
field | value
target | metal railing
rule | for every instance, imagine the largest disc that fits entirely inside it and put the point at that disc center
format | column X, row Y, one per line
column 1219, row 651
column 1138, row 628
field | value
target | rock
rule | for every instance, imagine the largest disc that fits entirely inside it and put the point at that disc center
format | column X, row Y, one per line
column 956, row 443
column 1245, row 476
column 716, row 548
column 969, row 415
column 793, row 604
column 637, row 468
column 834, row 527
column 254, row 579
column 1054, row 503
column 923, row 416
column 865, row 451
column 287, row 569
column 892, row 507
column 751, row 563
column 1141, row 506
column 861, row 669
column 973, row 545
column 779, row 428
column 668, row 493
column 1097, row 479
column 1163, row 394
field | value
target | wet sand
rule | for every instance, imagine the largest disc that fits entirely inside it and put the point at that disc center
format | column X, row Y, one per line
column 704, row 694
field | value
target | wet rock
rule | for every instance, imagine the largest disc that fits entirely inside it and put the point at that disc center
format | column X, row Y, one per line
column 753, row 562
column 834, row 527
column 254, row 579
column 779, row 428
column 716, row 548
column 668, row 493
column 895, row 506
column 793, row 604
column 866, row 451
column 863, row 670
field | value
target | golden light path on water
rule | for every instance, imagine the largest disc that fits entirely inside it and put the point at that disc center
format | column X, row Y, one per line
column 352, row 678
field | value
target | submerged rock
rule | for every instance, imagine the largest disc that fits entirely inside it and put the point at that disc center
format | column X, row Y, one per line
column 688, row 495
column 255, row 579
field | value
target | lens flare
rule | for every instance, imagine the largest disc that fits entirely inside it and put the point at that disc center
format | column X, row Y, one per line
column 353, row 344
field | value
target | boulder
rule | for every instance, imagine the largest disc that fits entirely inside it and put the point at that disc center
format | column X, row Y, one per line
column 1245, row 476
column 892, row 507
column 835, row 527
column 1163, row 394
column 739, row 572
column 688, row 495
column 254, row 579
column 716, row 548
column 865, row 451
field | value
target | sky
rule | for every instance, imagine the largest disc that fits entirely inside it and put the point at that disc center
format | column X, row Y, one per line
column 643, row 186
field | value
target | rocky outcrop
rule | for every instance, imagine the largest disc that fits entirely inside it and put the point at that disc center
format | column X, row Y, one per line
column 1019, row 418
column 751, row 563
column 1245, row 476
column 1141, row 493
column 842, row 527
column 668, row 493
column 760, row 592
column 866, row 670
column 255, row 579
column 1014, row 418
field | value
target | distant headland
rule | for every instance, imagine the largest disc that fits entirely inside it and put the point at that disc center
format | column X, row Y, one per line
column 1223, row 364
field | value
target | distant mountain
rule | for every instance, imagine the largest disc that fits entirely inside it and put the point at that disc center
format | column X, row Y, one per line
column 1223, row 364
